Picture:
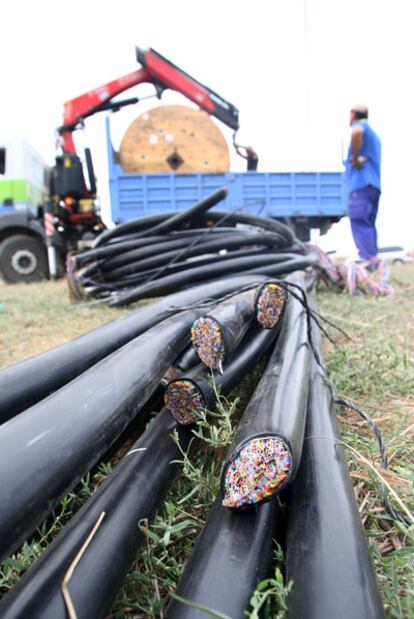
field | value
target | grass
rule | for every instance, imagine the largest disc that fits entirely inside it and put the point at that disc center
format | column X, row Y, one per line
column 374, row 368
column 14, row 567
column 36, row 317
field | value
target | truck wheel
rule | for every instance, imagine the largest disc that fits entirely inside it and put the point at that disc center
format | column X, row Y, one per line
column 23, row 259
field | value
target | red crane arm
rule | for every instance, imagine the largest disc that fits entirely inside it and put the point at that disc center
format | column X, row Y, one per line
column 156, row 70
column 87, row 104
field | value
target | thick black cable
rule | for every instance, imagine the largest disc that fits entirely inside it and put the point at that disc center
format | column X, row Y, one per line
column 87, row 280
column 128, row 242
column 232, row 550
column 327, row 556
column 26, row 383
column 276, row 415
column 144, row 251
column 229, row 245
column 228, row 321
column 128, row 282
column 128, row 497
column 107, row 251
column 170, row 222
column 163, row 260
column 46, row 450
column 216, row 227
column 166, row 247
column 206, row 387
column 222, row 268
column 312, row 315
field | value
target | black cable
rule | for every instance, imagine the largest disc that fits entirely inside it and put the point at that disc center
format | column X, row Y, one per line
column 207, row 302
column 382, row 449
column 313, row 315
column 364, row 415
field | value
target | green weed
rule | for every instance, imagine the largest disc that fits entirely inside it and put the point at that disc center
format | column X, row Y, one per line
column 269, row 600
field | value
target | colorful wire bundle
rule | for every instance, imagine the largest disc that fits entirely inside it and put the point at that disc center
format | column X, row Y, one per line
column 256, row 471
column 270, row 305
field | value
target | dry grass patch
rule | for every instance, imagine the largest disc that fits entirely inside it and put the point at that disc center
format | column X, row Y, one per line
column 36, row 317
column 375, row 368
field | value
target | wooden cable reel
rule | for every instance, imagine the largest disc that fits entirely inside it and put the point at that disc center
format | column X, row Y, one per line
column 174, row 138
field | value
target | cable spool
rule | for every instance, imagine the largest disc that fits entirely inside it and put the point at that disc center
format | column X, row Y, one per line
column 174, row 138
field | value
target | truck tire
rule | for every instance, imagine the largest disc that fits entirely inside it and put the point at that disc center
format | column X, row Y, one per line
column 23, row 259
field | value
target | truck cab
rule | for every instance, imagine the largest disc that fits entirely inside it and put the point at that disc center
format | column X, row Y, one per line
column 24, row 179
column 41, row 206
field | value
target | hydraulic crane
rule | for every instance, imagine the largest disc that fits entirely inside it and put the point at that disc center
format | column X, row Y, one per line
column 69, row 181
column 70, row 218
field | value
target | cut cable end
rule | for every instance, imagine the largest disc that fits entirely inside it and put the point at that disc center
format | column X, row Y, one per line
column 256, row 472
column 208, row 342
column 184, row 401
column 270, row 304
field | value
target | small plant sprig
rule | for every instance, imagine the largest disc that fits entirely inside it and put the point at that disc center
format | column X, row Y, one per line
column 219, row 434
column 183, row 514
column 269, row 600
column 215, row 429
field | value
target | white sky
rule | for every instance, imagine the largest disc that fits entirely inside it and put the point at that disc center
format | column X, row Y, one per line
column 292, row 67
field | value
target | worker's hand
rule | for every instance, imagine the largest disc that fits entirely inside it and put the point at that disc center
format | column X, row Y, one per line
column 358, row 162
column 250, row 152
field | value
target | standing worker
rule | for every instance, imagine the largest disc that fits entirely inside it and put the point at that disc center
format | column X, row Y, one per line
column 363, row 175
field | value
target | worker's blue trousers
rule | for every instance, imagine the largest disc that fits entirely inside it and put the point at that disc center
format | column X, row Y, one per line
column 362, row 211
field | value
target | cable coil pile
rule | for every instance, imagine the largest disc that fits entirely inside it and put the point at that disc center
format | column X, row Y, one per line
column 229, row 302
column 157, row 255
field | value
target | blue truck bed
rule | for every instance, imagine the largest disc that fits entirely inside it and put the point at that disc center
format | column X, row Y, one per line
column 294, row 195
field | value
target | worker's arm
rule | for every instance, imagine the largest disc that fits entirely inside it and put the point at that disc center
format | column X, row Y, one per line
column 246, row 152
column 357, row 137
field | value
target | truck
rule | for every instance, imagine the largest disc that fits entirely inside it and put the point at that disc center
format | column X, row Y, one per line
column 35, row 240
column 24, row 187
column 302, row 200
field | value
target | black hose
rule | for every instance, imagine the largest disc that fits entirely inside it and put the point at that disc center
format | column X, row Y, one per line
column 222, row 268
column 232, row 554
column 108, row 282
column 169, row 223
column 127, row 497
column 107, row 251
column 135, row 255
column 45, row 451
column 327, row 556
column 26, row 383
column 267, row 447
column 286, row 234
column 159, row 257
column 127, row 243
